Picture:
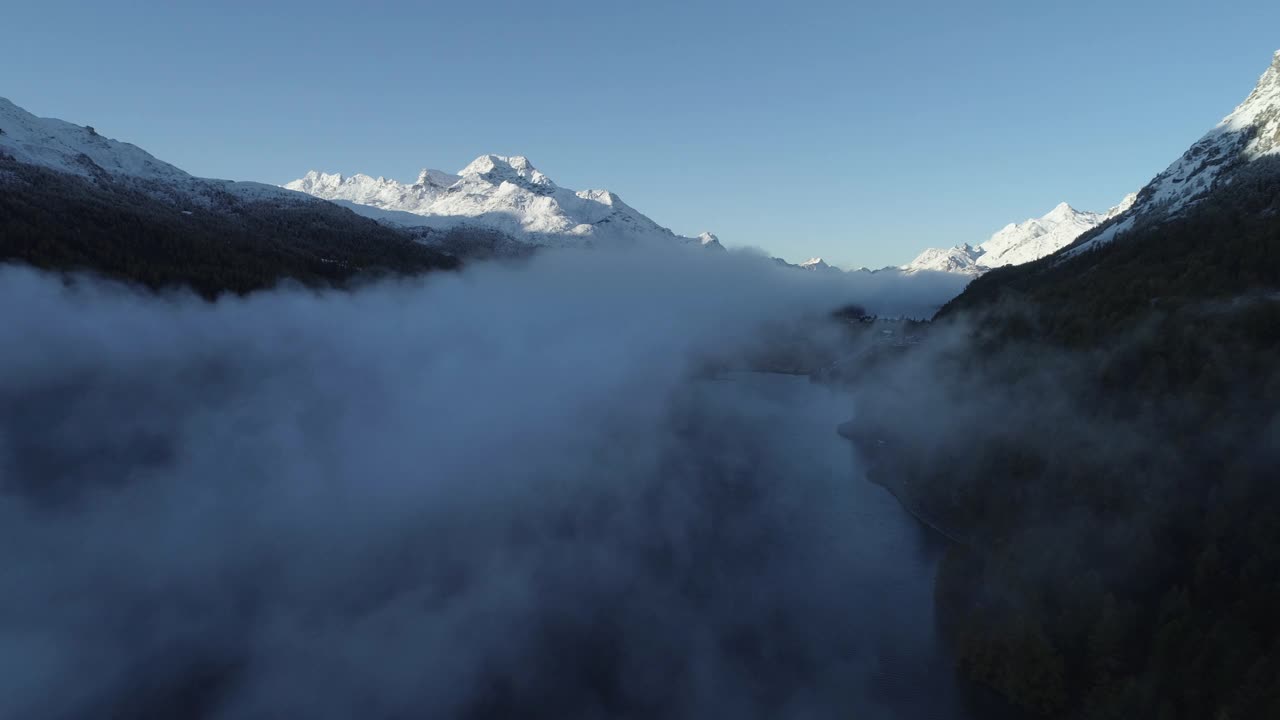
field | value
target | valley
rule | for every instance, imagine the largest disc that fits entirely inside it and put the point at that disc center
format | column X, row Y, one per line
column 477, row 445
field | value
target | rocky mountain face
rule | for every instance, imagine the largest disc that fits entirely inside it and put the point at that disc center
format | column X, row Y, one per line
column 494, row 192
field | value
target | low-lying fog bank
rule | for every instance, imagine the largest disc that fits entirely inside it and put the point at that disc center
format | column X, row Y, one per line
column 486, row 494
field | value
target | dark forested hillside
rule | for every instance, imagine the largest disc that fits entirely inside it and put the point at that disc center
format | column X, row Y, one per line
column 1108, row 440
column 1111, row 443
column 152, row 237
column 1226, row 246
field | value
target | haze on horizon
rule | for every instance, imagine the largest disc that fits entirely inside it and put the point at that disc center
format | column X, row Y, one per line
column 858, row 133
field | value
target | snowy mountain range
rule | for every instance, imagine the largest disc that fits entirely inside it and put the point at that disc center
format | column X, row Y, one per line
column 74, row 200
column 1250, row 132
column 506, row 194
column 1014, row 244
column 80, row 151
column 499, row 204
column 1017, row 243
column 494, row 200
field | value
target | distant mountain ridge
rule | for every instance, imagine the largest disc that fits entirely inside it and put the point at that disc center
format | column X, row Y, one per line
column 1204, row 227
column 1250, row 132
column 495, row 192
column 80, row 151
column 1017, row 243
column 74, row 200
column 817, row 264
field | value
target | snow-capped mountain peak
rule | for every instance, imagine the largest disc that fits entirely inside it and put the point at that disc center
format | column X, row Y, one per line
column 80, row 150
column 1061, row 211
column 1249, row 132
column 817, row 264
column 1125, row 203
column 709, row 240
column 76, row 149
column 497, row 169
column 379, row 192
column 603, row 197
column 1259, row 114
column 1034, row 238
column 1016, row 243
column 437, row 178
column 961, row 259
column 503, row 193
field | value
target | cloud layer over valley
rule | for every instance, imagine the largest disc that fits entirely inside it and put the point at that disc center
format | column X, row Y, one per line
column 493, row 493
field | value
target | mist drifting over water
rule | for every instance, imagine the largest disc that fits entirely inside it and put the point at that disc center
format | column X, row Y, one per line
column 488, row 494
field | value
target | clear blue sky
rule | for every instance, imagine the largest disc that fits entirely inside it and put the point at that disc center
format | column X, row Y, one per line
column 856, row 131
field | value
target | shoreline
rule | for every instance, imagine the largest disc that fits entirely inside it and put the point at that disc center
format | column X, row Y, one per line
column 871, row 454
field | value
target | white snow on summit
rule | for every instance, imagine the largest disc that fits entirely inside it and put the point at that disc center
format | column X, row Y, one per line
column 502, row 193
column 75, row 149
column 959, row 259
column 707, row 239
column 79, row 150
column 1250, row 132
column 1016, row 243
column 1020, row 243
column 376, row 192
column 817, row 264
